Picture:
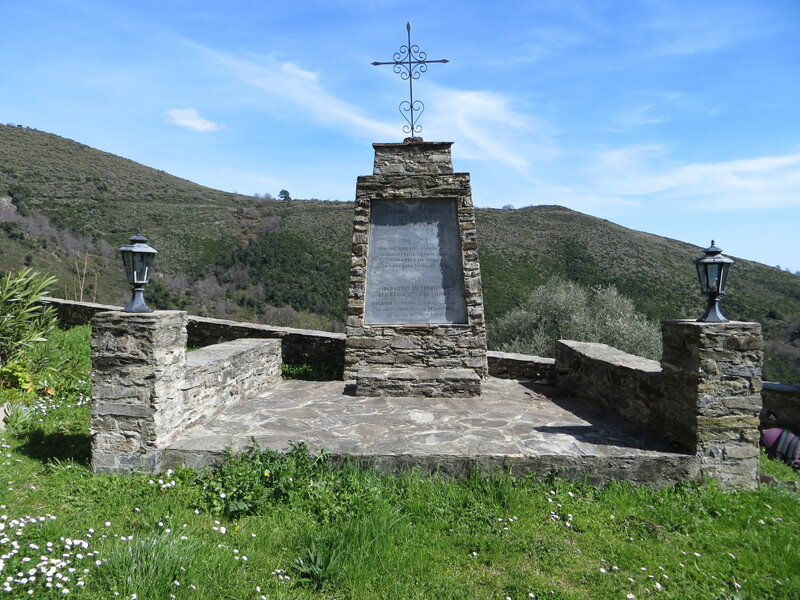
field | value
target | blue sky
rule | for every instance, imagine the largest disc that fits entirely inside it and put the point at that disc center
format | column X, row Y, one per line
column 675, row 117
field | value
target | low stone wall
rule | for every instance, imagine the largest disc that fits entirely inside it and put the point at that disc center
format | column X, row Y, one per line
column 218, row 376
column 146, row 390
column 298, row 346
column 622, row 384
column 705, row 395
column 781, row 406
column 510, row 365
column 71, row 313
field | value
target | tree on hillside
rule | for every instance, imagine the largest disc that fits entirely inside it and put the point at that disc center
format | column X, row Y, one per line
column 284, row 196
column 566, row 310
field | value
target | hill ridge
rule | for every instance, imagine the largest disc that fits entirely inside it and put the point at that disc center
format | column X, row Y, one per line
column 70, row 206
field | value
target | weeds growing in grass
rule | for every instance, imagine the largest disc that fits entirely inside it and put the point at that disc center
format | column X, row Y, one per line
column 312, row 372
column 302, row 525
column 317, row 565
column 251, row 483
column 152, row 565
column 19, row 417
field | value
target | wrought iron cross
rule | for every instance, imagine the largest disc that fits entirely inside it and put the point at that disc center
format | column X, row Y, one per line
column 410, row 63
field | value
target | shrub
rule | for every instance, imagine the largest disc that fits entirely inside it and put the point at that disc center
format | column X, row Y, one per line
column 23, row 321
column 566, row 310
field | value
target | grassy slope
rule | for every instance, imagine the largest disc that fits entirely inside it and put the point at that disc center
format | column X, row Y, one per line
column 197, row 230
column 102, row 196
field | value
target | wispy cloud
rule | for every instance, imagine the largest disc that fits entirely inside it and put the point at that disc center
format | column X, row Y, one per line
column 703, row 32
column 485, row 124
column 298, row 89
column 751, row 183
column 488, row 128
column 641, row 116
column 189, row 118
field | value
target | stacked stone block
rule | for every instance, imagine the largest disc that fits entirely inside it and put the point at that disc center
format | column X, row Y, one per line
column 137, row 363
column 425, row 383
column 415, row 170
column 705, row 395
column 620, row 383
column 712, row 392
column 146, row 391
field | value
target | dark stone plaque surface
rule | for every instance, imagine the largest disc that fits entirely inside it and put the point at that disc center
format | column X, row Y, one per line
column 414, row 272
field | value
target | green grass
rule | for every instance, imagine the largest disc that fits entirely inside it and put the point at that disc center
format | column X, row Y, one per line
column 343, row 532
column 305, row 526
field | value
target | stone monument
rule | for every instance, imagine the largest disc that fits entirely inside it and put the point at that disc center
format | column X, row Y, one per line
column 415, row 324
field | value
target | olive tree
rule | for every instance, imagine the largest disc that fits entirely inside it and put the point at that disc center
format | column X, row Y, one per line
column 563, row 309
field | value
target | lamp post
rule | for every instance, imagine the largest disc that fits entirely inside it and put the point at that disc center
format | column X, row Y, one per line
column 138, row 257
column 712, row 269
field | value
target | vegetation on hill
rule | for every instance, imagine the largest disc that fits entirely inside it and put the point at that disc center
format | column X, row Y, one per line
column 65, row 208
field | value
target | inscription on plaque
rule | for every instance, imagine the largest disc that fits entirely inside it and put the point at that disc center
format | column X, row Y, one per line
column 414, row 272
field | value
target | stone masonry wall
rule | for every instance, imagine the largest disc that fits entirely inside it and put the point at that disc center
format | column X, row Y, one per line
column 217, row 376
column 620, row 383
column 781, row 406
column 715, row 370
column 413, row 158
column 415, row 170
column 705, row 395
column 299, row 345
column 146, row 389
column 510, row 365
column 137, row 359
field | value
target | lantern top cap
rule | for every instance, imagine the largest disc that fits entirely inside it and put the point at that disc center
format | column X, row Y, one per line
column 713, row 254
column 138, row 243
column 140, row 239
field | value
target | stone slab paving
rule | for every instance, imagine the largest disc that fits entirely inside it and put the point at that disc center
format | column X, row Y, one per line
column 512, row 425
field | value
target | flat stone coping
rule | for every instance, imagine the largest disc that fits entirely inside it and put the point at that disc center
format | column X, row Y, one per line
column 419, row 374
column 517, row 426
column 418, row 381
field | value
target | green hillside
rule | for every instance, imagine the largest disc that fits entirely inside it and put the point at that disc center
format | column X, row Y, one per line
column 65, row 208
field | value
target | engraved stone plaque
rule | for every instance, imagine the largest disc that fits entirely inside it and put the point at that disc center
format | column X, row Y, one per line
column 414, row 271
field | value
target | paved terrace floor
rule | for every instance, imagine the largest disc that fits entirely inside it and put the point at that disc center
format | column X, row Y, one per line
column 513, row 425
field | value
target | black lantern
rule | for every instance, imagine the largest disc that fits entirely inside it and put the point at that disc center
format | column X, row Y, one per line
column 138, row 257
column 712, row 269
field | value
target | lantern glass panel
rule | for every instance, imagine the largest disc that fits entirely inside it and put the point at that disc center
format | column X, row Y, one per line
column 703, row 276
column 141, row 267
column 713, row 276
column 127, row 261
column 723, row 279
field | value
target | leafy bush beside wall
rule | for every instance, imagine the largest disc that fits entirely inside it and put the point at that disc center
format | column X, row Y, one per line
column 562, row 309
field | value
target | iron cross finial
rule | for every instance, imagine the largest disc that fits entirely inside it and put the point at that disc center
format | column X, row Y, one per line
column 410, row 63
